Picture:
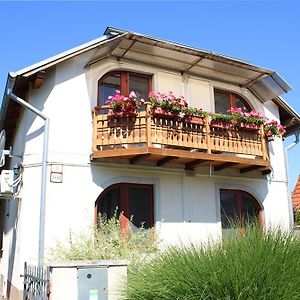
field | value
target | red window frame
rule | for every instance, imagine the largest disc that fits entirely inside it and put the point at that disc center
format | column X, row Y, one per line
column 124, row 82
column 239, row 208
column 124, row 192
column 233, row 98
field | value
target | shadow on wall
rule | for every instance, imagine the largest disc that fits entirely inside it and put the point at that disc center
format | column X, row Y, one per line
column 180, row 205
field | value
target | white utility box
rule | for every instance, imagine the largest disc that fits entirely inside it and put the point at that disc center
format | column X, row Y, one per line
column 88, row 280
column 6, row 182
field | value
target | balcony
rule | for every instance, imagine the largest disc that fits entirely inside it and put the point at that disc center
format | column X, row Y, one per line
column 157, row 140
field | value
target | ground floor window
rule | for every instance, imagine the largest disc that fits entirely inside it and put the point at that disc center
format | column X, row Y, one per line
column 132, row 203
column 237, row 208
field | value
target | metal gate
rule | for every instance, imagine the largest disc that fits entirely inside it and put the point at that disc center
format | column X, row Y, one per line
column 36, row 283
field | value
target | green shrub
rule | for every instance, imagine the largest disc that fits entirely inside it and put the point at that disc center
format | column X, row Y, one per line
column 106, row 241
column 297, row 215
column 254, row 265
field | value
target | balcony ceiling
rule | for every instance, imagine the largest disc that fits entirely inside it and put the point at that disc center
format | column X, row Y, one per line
column 182, row 159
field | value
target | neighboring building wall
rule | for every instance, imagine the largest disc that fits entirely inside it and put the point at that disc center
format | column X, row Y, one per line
column 186, row 206
column 296, row 194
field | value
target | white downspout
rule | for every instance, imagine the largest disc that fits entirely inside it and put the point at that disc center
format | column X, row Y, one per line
column 294, row 143
column 25, row 104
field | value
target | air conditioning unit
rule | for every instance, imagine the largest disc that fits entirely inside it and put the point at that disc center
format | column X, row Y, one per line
column 6, row 182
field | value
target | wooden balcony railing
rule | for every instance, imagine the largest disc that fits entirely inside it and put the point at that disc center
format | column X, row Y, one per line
column 167, row 139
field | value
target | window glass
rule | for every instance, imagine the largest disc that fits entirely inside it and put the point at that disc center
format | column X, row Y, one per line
column 140, row 85
column 108, row 86
column 139, row 207
column 241, row 104
column 237, row 207
column 222, row 102
column 225, row 100
column 229, row 213
column 109, row 205
column 250, row 208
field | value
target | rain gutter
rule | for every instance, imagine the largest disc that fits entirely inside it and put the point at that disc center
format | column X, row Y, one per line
column 293, row 144
column 10, row 95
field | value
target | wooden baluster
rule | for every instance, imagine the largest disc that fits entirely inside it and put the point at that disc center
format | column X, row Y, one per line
column 263, row 143
column 148, row 125
column 208, row 140
column 94, row 131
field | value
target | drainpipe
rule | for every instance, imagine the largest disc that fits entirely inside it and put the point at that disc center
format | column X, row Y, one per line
column 25, row 104
column 294, row 143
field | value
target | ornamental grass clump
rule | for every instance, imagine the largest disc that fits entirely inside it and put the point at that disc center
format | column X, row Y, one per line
column 251, row 265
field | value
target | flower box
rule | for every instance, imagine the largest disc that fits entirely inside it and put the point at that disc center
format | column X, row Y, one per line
column 120, row 114
column 220, row 125
column 194, row 120
column 162, row 113
column 248, row 126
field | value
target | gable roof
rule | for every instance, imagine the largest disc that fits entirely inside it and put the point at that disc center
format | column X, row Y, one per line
column 125, row 45
column 296, row 194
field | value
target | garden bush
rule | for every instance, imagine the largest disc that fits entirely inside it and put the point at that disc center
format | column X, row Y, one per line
column 107, row 241
column 249, row 265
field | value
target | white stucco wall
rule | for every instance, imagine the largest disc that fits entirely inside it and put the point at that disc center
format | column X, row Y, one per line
column 186, row 207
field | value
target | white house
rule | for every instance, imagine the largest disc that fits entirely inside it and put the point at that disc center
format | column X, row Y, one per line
column 73, row 162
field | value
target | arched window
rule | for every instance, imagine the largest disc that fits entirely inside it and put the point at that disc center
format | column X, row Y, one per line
column 135, row 201
column 237, row 208
column 225, row 100
column 125, row 82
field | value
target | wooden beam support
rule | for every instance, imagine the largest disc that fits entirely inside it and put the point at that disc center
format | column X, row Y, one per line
column 165, row 160
column 193, row 164
column 138, row 157
column 38, row 80
column 266, row 172
column 250, row 168
column 224, row 166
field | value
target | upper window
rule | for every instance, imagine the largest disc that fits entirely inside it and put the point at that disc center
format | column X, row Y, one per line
column 124, row 82
column 237, row 208
column 225, row 100
column 135, row 201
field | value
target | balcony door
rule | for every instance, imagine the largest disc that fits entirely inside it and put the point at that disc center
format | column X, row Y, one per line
column 237, row 209
column 125, row 82
column 131, row 203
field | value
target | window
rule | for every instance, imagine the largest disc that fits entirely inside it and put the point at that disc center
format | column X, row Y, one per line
column 124, row 82
column 238, row 207
column 225, row 100
column 135, row 201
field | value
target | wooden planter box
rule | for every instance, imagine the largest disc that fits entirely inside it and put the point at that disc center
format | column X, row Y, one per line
column 161, row 113
column 220, row 125
column 249, row 126
column 194, row 120
column 120, row 114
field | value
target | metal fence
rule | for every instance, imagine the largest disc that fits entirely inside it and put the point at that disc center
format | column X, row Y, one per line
column 36, row 282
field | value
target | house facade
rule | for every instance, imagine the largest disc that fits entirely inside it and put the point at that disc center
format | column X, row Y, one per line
column 185, row 179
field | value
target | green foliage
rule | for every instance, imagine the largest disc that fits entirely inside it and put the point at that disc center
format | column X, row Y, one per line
column 107, row 242
column 251, row 266
column 222, row 118
column 296, row 215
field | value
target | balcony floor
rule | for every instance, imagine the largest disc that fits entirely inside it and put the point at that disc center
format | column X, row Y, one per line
column 189, row 159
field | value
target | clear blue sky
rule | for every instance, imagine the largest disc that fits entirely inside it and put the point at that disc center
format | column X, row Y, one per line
column 266, row 33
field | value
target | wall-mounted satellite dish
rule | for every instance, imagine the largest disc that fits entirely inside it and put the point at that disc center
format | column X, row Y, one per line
column 3, row 152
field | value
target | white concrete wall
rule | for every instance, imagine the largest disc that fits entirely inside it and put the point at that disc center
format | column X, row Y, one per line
column 186, row 208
